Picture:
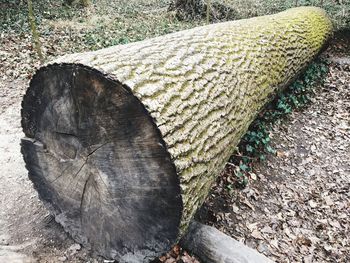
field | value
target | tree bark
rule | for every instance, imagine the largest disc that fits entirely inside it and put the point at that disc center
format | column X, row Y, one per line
column 212, row 246
column 124, row 143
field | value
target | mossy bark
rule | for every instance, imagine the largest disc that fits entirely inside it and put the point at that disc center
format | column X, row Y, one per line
column 196, row 91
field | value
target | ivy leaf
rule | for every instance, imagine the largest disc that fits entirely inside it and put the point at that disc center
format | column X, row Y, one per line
column 243, row 167
column 270, row 149
column 249, row 148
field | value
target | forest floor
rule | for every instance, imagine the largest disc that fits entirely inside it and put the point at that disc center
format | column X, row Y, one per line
column 296, row 210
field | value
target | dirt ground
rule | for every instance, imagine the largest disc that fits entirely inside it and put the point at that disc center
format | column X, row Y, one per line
column 297, row 209
column 27, row 232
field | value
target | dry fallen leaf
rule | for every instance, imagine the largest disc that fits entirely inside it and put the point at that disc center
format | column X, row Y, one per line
column 246, row 202
column 257, row 234
column 302, row 240
column 312, row 204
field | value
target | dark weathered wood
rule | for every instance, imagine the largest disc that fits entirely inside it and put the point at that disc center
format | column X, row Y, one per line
column 97, row 159
column 213, row 246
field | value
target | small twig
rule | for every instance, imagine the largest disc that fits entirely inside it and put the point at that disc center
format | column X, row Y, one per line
column 208, row 11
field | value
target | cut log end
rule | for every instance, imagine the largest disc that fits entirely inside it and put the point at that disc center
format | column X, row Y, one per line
column 99, row 162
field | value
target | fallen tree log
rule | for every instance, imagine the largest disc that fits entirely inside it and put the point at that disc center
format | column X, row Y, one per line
column 213, row 246
column 124, row 143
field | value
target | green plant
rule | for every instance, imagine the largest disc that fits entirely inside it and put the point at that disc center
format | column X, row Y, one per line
column 255, row 144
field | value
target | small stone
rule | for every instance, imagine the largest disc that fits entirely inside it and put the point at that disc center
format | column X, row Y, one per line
column 75, row 247
column 262, row 248
column 235, row 209
column 274, row 242
column 312, row 172
column 328, row 248
column 256, row 234
column 62, row 259
column 261, row 177
column 335, row 223
column 307, row 259
column 268, row 230
column 253, row 176
column 312, row 204
column 313, row 148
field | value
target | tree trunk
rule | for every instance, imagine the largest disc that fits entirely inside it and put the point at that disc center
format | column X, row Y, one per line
column 212, row 246
column 215, row 9
column 124, row 143
column 84, row 3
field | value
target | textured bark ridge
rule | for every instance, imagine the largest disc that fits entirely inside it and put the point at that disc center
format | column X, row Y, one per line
column 124, row 143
